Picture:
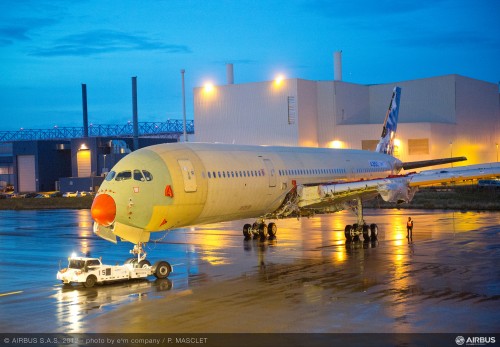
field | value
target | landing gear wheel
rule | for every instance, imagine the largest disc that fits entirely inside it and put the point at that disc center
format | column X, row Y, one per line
column 374, row 231
column 272, row 229
column 263, row 231
column 90, row 281
column 349, row 233
column 247, row 231
column 144, row 263
column 255, row 230
column 162, row 269
column 367, row 233
column 131, row 261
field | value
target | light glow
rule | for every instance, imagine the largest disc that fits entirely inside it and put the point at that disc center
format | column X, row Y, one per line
column 279, row 79
column 336, row 144
column 208, row 87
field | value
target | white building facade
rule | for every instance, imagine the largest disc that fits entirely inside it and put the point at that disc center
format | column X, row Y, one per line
column 439, row 117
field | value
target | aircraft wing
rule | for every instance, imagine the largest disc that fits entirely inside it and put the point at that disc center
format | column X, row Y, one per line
column 401, row 188
column 458, row 174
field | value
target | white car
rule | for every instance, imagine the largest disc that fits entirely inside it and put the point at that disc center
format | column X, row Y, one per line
column 70, row 194
column 89, row 271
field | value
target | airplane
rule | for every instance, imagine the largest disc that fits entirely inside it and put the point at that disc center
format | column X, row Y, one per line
column 174, row 185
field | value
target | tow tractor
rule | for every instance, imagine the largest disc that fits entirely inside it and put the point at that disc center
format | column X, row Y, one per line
column 89, row 271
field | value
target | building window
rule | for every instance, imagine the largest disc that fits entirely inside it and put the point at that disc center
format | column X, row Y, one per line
column 292, row 110
column 418, row 146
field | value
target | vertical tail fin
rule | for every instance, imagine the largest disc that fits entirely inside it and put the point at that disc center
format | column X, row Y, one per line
column 386, row 143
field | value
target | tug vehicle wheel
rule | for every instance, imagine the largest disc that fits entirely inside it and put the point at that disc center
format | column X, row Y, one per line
column 162, row 269
column 90, row 281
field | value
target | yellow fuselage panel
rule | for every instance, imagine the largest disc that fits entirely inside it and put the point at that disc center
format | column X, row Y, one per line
column 202, row 183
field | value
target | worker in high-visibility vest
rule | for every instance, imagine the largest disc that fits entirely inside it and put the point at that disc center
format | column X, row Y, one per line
column 409, row 229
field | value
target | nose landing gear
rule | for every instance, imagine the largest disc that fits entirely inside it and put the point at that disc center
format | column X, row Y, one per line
column 160, row 269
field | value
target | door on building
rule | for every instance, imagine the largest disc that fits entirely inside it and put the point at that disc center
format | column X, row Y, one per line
column 26, row 175
column 271, row 172
column 188, row 175
column 83, row 163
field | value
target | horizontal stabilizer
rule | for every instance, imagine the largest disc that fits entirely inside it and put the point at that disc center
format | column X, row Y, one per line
column 424, row 163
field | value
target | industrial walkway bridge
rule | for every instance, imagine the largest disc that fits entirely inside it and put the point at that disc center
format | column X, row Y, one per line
column 171, row 129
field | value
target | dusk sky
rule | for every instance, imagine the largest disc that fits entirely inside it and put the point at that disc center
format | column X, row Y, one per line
column 48, row 48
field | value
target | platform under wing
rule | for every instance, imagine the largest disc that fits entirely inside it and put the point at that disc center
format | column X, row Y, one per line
column 392, row 189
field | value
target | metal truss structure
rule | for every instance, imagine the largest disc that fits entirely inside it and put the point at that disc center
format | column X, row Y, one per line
column 171, row 129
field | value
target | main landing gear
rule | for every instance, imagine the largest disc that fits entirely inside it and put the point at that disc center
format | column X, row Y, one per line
column 161, row 269
column 352, row 232
column 259, row 229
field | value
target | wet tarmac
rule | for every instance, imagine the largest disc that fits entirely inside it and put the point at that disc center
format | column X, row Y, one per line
column 307, row 280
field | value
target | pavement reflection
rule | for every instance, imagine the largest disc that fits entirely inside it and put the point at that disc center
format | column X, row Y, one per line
column 308, row 279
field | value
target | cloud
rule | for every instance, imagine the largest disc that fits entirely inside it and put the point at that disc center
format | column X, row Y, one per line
column 236, row 61
column 104, row 41
column 351, row 9
column 441, row 40
column 20, row 29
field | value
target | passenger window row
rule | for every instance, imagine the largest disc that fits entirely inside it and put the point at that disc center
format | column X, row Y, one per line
column 138, row 175
column 233, row 174
column 261, row 172
column 372, row 169
column 297, row 172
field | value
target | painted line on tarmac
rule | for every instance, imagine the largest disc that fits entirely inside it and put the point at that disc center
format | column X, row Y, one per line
column 11, row 293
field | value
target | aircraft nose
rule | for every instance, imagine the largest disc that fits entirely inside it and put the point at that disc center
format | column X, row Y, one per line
column 103, row 209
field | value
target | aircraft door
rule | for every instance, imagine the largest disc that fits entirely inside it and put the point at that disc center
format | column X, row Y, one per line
column 188, row 175
column 271, row 172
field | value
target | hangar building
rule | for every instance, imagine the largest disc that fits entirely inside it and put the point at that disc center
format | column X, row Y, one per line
column 77, row 164
column 439, row 117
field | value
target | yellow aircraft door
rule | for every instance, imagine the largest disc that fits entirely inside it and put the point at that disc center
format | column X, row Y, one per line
column 188, row 175
column 270, row 172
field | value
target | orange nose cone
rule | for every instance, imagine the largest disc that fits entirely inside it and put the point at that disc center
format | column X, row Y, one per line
column 103, row 209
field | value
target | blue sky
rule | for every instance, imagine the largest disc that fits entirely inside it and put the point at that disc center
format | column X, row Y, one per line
column 48, row 48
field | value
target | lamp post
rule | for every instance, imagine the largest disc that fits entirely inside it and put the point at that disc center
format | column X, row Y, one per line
column 496, row 144
column 451, row 151
column 184, row 106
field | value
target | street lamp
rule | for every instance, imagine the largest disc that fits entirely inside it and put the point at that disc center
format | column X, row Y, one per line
column 184, row 106
column 451, row 151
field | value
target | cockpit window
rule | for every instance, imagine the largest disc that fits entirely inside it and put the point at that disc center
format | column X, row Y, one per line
column 124, row 175
column 147, row 175
column 110, row 175
column 138, row 176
